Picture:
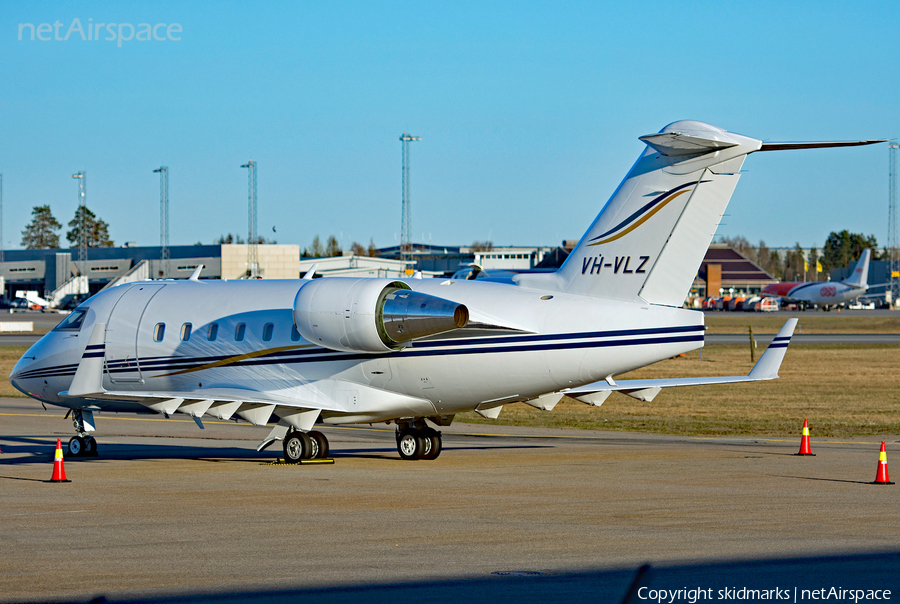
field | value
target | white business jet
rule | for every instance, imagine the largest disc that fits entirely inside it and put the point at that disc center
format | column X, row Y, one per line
column 415, row 352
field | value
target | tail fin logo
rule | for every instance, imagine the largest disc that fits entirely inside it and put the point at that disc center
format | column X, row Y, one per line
column 644, row 214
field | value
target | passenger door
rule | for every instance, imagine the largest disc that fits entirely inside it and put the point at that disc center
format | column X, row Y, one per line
column 121, row 361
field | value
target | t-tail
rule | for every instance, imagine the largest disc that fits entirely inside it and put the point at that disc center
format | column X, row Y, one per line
column 860, row 275
column 651, row 236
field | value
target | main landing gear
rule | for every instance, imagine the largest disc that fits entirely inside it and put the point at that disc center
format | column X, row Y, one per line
column 82, row 444
column 304, row 445
column 415, row 440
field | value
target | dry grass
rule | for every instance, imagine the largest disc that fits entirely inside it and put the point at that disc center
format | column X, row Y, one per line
column 844, row 390
column 810, row 322
column 8, row 357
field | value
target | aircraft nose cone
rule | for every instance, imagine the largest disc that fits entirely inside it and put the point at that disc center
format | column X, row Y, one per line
column 18, row 377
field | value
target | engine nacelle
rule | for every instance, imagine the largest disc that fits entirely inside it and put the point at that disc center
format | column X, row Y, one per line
column 371, row 315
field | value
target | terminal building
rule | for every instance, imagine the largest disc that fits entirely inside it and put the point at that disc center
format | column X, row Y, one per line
column 58, row 273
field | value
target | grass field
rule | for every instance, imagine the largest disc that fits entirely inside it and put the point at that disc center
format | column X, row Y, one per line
column 844, row 390
column 8, row 357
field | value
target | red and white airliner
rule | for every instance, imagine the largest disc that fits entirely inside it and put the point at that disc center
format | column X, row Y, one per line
column 825, row 293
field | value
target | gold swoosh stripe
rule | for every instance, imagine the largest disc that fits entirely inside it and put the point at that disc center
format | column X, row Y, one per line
column 641, row 221
column 237, row 358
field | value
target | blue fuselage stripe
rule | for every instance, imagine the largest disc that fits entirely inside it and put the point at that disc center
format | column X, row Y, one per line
column 434, row 348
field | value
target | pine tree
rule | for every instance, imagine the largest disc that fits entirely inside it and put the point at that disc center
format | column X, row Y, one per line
column 97, row 229
column 40, row 233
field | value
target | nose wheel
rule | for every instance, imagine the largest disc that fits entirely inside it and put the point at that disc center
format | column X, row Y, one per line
column 418, row 443
column 81, row 445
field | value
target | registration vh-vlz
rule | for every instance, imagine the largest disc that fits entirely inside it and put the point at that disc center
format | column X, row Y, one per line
column 415, row 352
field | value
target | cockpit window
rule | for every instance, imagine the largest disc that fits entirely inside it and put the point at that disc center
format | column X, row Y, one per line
column 74, row 321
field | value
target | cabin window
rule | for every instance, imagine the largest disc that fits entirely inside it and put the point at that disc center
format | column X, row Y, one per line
column 186, row 332
column 239, row 332
column 213, row 332
column 295, row 335
column 159, row 331
column 268, row 328
column 74, row 321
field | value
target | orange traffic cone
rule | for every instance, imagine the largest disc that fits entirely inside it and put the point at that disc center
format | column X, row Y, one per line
column 59, row 472
column 804, row 440
column 881, row 475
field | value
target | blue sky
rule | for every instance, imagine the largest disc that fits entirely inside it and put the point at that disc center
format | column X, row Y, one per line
column 529, row 114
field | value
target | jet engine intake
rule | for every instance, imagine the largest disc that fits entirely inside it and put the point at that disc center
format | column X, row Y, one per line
column 371, row 315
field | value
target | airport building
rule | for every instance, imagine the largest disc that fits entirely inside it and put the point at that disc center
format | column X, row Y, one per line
column 725, row 271
column 446, row 260
column 351, row 265
column 58, row 273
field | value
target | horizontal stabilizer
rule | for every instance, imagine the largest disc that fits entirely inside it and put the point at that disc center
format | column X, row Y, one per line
column 789, row 146
column 673, row 144
column 765, row 369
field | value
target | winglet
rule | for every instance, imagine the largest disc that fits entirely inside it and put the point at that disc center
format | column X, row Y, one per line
column 195, row 276
column 309, row 274
column 89, row 375
column 769, row 363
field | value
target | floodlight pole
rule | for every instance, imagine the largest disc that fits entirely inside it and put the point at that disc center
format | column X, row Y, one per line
column 82, row 225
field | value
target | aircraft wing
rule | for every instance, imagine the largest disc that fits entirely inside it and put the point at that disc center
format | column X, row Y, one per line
column 765, row 369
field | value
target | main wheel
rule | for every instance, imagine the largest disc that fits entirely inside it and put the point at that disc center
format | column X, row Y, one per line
column 76, row 446
column 297, row 446
column 410, row 445
column 321, row 444
column 434, row 444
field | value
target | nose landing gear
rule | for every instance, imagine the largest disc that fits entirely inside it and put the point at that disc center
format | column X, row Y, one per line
column 82, row 444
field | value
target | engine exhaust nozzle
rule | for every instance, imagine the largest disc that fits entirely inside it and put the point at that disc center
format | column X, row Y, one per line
column 408, row 315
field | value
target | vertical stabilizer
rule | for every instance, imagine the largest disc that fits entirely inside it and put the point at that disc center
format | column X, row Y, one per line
column 860, row 275
column 651, row 236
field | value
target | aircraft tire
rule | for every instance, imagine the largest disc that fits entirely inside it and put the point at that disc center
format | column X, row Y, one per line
column 297, row 446
column 410, row 444
column 90, row 446
column 319, row 439
column 76, row 446
column 434, row 439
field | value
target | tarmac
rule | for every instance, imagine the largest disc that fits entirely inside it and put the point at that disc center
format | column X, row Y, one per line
column 169, row 513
